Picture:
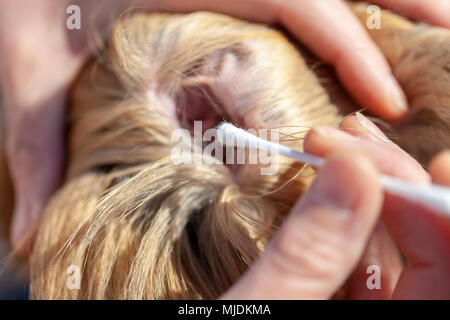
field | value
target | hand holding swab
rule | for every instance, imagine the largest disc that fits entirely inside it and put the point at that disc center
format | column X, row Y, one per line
column 432, row 196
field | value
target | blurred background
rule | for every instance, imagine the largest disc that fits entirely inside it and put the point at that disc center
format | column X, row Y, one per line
column 13, row 283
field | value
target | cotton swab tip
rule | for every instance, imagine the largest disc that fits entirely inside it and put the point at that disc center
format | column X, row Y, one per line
column 229, row 134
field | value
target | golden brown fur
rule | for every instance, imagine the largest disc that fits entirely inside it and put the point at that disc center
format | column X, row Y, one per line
column 142, row 227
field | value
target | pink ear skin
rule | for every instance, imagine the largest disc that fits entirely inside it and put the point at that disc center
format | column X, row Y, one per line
column 196, row 101
column 218, row 90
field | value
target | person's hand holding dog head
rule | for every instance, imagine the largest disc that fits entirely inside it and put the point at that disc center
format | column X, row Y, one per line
column 41, row 57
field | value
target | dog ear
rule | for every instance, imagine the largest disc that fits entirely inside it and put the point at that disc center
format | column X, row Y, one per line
column 197, row 101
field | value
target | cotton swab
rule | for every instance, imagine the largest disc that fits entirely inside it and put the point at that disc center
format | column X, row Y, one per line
column 431, row 196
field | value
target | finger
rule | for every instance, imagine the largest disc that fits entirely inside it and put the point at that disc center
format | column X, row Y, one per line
column 34, row 83
column 381, row 251
column 324, row 140
column 267, row 9
column 35, row 147
column 424, row 237
column 360, row 126
column 331, row 30
column 381, row 259
column 421, row 235
column 440, row 168
column 435, row 12
column 322, row 239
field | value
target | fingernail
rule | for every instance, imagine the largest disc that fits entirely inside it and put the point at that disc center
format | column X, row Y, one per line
column 398, row 97
column 371, row 127
column 328, row 132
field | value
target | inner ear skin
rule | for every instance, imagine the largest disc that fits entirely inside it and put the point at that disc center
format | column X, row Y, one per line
column 197, row 102
column 211, row 93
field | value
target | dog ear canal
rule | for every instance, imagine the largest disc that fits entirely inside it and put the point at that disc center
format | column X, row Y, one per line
column 196, row 101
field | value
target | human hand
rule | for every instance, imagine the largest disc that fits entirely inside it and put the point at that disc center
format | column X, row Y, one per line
column 422, row 236
column 333, row 234
column 40, row 58
column 323, row 237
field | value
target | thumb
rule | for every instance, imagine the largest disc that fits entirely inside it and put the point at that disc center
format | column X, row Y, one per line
column 322, row 239
column 35, row 149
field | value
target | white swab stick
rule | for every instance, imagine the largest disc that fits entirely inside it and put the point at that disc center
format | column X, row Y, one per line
column 432, row 196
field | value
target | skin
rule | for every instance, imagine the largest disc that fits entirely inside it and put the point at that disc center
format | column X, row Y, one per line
column 40, row 59
column 344, row 224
